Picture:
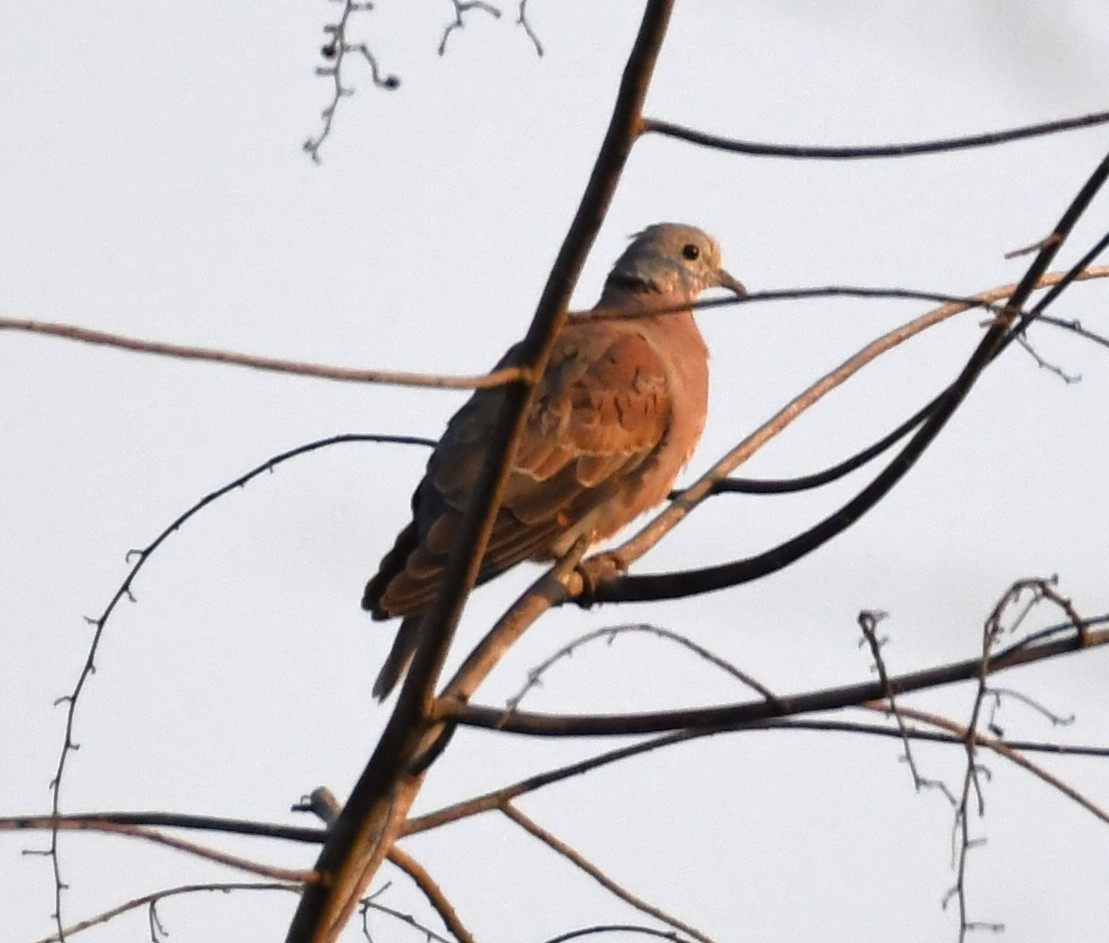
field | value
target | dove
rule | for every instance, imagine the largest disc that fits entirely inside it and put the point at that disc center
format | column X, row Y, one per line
column 616, row 415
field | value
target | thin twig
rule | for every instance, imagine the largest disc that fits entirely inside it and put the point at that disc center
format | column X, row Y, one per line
column 610, row 633
column 522, row 20
column 72, row 699
column 556, row 844
column 461, row 8
column 109, row 820
column 434, row 894
column 273, row 364
column 334, row 51
column 671, row 935
column 62, row 823
column 939, row 146
column 868, row 621
column 149, row 899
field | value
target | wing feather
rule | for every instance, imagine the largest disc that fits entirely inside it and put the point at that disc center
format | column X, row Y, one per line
column 602, row 409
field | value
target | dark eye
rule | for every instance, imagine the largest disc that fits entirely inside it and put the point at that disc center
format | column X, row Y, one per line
column 691, row 251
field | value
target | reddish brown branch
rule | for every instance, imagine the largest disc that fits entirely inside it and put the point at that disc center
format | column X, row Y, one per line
column 579, row 861
column 377, row 805
column 272, row 364
column 432, row 892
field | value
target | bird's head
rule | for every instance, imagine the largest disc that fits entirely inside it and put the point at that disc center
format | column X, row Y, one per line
column 671, row 259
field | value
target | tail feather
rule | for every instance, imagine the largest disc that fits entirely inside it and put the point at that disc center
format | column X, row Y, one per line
column 396, row 662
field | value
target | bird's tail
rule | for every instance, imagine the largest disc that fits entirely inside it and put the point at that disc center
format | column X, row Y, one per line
column 404, row 647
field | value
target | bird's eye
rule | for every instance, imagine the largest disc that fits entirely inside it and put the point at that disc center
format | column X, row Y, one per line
column 691, row 251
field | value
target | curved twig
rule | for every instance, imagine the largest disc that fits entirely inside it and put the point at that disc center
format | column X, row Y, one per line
column 940, row 146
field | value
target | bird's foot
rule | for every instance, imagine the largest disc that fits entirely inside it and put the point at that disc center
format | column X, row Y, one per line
column 596, row 571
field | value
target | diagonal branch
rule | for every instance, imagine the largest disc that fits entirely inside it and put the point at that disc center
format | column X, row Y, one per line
column 1011, row 752
column 556, row 844
column 1000, row 333
column 432, row 892
column 377, row 805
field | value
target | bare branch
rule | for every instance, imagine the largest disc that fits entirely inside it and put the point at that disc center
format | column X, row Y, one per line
column 532, row 828
column 868, row 621
column 1011, row 750
column 617, row 928
column 108, row 821
column 334, row 51
column 462, row 7
column 499, row 377
column 57, row 823
column 607, row 587
column 368, row 903
column 432, row 892
column 522, row 20
column 148, row 900
column 72, row 699
column 273, row 364
column 988, row 139
column 1054, row 642
column 380, row 799
column 610, row 633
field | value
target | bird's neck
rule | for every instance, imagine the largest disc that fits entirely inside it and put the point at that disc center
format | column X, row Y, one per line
column 633, row 294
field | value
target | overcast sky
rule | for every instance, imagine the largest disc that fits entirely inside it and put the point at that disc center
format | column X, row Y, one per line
column 154, row 184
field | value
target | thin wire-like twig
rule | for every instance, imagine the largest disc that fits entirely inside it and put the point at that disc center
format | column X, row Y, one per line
column 610, row 633
column 556, row 844
column 868, row 621
column 71, row 699
column 334, row 51
column 522, row 20
column 272, row 364
column 434, row 894
column 671, row 935
column 62, row 823
column 939, row 146
column 148, row 900
column 461, row 8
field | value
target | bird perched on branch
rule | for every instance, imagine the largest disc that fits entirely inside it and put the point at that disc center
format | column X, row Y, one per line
column 616, row 415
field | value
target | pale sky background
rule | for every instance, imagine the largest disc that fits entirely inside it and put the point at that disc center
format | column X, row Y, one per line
column 154, row 184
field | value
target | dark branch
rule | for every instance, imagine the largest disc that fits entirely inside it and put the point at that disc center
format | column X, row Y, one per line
column 1043, row 645
column 943, row 145
column 691, row 582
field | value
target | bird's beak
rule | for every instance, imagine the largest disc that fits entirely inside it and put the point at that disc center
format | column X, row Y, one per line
column 734, row 285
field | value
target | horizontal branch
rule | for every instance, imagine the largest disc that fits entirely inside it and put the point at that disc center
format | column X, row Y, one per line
column 272, row 364
column 591, row 725
column 499, row 377
column 108, row 821
column 156, row 896
column 810, row 152
column 56, row 823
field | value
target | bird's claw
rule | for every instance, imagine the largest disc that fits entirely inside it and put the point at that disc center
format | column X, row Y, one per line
column 596, row 571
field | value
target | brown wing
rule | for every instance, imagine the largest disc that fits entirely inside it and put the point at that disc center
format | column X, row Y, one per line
column 601, row 411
